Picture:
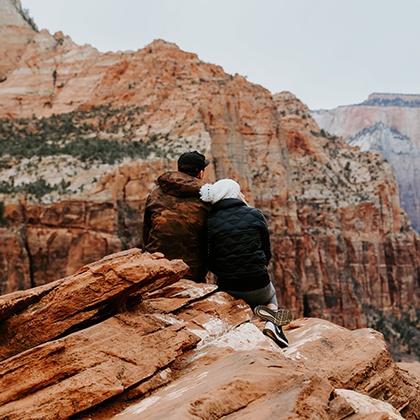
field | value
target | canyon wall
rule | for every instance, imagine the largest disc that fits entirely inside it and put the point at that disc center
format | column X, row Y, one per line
column 83, row 135
column 390, row 124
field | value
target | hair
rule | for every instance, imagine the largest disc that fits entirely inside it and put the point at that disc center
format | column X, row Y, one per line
column 189, row 170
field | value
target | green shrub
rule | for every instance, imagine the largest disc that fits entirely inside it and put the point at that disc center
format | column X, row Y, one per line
column 75, row 134
column 37, row 189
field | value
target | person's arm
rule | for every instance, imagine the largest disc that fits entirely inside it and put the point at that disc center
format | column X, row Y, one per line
column 147, row 223
column 266, row 243
column 265, row 237
column 210, row 248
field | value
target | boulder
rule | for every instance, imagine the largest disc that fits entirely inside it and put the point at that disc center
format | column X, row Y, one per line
column 127, row 337
column 93, row 293
column 357, row 360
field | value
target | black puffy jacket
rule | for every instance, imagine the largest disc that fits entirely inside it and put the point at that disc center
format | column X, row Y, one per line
column 238, row 245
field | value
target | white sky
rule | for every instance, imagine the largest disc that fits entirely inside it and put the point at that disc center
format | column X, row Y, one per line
column 327, row 52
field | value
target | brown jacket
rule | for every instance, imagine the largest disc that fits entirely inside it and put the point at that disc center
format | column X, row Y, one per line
column 175, row 222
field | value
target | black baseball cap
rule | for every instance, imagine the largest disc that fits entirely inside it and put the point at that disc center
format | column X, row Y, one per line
column 192, row 160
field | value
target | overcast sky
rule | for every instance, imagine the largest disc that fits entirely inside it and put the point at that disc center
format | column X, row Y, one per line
column 327, row 52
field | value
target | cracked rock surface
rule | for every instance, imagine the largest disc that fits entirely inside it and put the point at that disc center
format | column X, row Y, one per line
column 128, row 337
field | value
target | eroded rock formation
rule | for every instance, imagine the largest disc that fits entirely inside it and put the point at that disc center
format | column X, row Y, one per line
column 84, row 135
column 389, row 124
column 126, row 335
column 350, row 220
column 16, row 32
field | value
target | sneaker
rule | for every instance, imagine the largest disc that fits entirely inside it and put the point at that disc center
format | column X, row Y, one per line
column 278, row 317
column 276, row 334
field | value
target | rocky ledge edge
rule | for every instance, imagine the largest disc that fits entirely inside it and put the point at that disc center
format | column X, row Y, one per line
column 127, row 336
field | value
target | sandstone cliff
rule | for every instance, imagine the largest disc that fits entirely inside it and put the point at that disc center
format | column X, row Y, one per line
column 16, row 32
column 127, row 336
column 84, row 135
column 389, row 124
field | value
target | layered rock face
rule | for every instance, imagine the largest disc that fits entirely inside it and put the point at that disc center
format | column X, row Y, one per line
column 389, row 124
column 349, row 220
column 75, row 176
column 16, row 32
column 126, row 336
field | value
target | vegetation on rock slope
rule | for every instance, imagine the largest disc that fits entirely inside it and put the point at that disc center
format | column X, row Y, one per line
column 99, row 136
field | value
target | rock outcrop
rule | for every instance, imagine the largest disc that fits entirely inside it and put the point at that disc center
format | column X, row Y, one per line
column 16, row 31
column 349, row 220
column 388, row 124
column 64, row 304
column 134, row 339
column 83, row 135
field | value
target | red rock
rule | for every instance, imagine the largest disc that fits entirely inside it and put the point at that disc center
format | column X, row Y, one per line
column 15, row 33
column 14, row 303
column 361, row 406
column 238, row 385
column 187, row 350
column 14, row 261
column 389, row 124
column 94, row 292
column 88, row 367
column 358, row 360
column 412, row 368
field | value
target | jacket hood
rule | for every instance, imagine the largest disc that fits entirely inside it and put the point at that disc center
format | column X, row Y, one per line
column 180, row 184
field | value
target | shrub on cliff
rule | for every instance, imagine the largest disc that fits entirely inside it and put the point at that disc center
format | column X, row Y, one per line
column 36, row 189
column 77, row 134
column 87, row 150
column 28, row 18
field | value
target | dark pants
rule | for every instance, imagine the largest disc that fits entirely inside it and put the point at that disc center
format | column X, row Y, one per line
column 263, row 296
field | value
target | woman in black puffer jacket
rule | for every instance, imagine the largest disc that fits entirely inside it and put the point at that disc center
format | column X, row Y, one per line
column 239, row 252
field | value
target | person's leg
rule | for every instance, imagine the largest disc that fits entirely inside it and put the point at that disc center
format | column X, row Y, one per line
column 253, row 298
column 273, row 303
column 264, row 303
column 274, row 318
column 269, row 310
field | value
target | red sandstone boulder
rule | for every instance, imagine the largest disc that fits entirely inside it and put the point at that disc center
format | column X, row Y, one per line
column 357, row 360
column 35, row 317
column 182, row 350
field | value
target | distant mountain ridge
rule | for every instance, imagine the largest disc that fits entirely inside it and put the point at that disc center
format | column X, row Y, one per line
column 382, row 138
column 388, row 123
column 393, row 99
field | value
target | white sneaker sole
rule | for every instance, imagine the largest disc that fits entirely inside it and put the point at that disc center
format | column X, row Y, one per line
column 280, row 317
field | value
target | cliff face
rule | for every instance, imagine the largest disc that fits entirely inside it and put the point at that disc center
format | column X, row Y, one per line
column 75, row 176
column 16, row 32
column 350, row 231
column 389, row 124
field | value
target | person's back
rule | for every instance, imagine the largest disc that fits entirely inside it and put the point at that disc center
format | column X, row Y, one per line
column 175, row 219
column 239, row 252
column 239, row 245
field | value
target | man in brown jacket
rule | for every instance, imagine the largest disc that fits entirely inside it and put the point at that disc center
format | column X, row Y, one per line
column 175, row 217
